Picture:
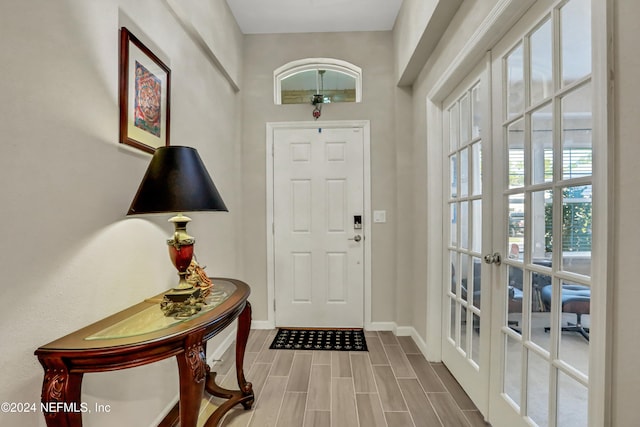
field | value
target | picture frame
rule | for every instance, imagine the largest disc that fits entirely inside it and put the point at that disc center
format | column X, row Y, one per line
column 145, row 91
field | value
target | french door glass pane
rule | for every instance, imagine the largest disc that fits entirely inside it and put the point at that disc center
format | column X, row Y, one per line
column 454, row 128
column 476, row 113
column 465, row 120
column 541, row 224
column 454, row 226
column 466, row 295
column 515, row 82
column 476, row 226
column 576, row 229
column 476, row 168
column 515, row 294
column 541, row 309
column 575, row 39
column 515, row 141
column 464, row 276
column 455, row 268
column 516, row 225
column 542, row 144
column 538, row 389
column 513, row 370
column 464, row 172
column 453, row 175
column 575, row 308
column 463, row 330
column 577, row 133
column 464, row 225
column 541, row 76
column 475, row 341
column 476, row 282
column 572, row 402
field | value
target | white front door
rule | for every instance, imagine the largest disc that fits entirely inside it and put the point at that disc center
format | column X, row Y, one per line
column 318, row 217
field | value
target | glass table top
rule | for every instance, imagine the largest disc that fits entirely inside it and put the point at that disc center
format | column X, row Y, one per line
column 152, row 319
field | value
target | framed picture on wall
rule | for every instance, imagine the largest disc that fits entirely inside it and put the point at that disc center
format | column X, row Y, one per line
column 145, row 90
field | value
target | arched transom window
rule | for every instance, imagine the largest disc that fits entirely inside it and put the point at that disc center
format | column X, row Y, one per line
column 299, row 81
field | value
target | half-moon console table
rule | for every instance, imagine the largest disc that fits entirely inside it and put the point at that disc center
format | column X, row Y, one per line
column 140, row 335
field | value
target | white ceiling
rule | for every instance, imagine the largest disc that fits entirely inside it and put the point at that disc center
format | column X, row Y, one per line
column 309, row 16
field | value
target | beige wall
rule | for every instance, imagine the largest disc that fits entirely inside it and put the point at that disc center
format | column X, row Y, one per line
column 625, row 349
column 69, row 255
column 410, row 24
column 373, row 53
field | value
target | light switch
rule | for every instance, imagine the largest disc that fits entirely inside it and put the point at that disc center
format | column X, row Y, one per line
column 379, row 216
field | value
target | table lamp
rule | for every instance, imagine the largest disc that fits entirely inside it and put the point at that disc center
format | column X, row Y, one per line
column 177, row 181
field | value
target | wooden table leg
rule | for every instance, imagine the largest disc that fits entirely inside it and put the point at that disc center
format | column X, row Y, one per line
column 192, row 370
column 244, row 325
column 243, row 396
column 60, row 394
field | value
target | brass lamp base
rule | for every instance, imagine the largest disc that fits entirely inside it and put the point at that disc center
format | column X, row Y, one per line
column 181, row 303
column 182, row 294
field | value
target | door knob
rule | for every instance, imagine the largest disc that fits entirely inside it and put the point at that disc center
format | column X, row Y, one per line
column 357, row 238
column 493, row 258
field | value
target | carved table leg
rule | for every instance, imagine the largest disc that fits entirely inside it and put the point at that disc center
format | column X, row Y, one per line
column 245, row 395
column 60, row 394
column 244, row 325
column 192, row 369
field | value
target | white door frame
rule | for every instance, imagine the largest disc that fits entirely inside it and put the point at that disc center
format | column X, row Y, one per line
column 367, row 220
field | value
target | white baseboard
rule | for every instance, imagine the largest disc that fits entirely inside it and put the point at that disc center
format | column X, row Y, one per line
column 381, row 326
column 224, row 345
column 420, row 342
column 401, row 331
column 262, row 324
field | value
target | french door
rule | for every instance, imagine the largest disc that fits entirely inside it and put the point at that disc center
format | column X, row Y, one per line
column 467, row 302
column 542, row 127
column 518, row 220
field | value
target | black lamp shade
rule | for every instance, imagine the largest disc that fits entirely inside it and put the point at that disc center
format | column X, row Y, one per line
column 176, row 181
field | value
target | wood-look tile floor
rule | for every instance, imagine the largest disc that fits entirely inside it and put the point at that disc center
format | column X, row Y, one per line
column 391, row 385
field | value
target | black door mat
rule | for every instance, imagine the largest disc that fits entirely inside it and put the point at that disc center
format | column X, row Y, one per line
column 320, row 339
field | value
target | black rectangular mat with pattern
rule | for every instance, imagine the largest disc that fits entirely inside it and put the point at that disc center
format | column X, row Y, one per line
column 320, row 339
